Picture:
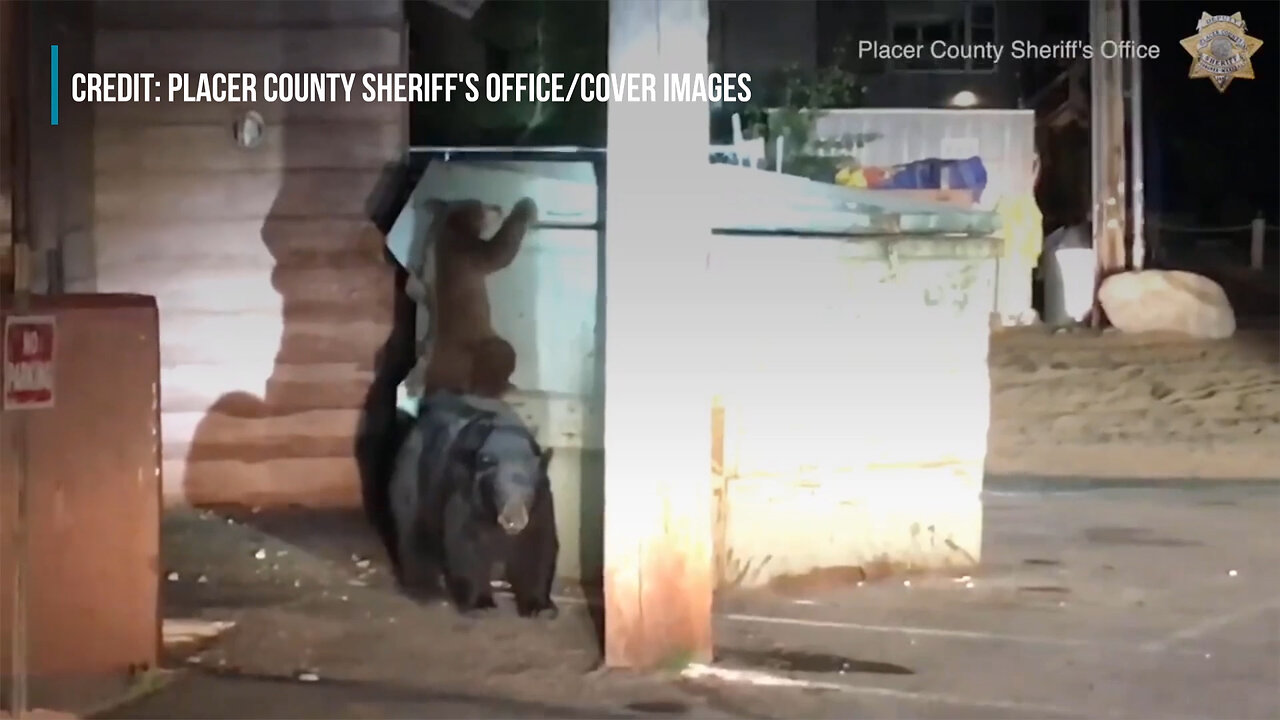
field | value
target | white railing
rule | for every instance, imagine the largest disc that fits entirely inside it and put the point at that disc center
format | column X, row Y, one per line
column 751, row 153
column 741, row 151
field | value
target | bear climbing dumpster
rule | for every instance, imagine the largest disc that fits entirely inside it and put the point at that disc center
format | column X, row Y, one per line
column 852, row 331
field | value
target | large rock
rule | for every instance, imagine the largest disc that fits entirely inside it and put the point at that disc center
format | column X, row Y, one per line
column 1169, row 300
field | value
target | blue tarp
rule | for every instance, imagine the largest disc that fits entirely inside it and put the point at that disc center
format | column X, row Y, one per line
column 928, row 174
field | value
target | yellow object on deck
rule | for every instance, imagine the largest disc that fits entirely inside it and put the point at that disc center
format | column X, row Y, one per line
column 850, row 177
column 1021, row 226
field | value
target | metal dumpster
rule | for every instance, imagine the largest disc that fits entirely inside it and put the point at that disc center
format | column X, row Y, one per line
column 854, row 394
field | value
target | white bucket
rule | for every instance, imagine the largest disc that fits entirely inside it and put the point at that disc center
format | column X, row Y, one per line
column 1068, row 285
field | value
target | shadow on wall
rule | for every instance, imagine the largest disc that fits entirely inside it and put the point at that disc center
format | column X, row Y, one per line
column 324, row 358
column 392, row 363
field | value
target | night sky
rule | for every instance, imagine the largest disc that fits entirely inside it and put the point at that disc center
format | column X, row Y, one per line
column 1210, row 155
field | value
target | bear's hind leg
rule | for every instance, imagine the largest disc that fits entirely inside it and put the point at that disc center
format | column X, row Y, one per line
column 493, row 362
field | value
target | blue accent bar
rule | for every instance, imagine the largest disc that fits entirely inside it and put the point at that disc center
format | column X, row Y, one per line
column 53, row 84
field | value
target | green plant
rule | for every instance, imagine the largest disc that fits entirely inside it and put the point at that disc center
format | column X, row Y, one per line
column 527, row 36
column 805, row 94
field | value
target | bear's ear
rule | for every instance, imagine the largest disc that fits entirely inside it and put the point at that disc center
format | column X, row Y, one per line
column 470, row 439
column 544, row 460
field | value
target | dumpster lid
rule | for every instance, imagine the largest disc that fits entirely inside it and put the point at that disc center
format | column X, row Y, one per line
column 738, row 200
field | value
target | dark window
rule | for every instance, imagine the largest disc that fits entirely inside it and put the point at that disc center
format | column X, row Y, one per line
column 983, row 13
column 905, row 34
column 957, row 23
column 979, row 35
column 934, row 32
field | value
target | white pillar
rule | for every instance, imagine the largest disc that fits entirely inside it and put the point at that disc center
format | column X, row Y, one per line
column 658, row 573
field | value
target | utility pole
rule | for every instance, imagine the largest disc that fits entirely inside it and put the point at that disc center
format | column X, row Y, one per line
column 1096, row 83
column 1114, row 204
column 658, row 557
column 1108, row 139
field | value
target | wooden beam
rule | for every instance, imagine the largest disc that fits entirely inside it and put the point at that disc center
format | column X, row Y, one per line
column 1097, row 117
column 8, row 14
column 658, row 572
column 1108, row 146
column 1137, row 173
column 1114, row 168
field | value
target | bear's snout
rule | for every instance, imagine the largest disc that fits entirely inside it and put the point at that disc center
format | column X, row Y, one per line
column 514, row 518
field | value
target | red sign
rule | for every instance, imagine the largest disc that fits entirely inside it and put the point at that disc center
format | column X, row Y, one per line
column 28, row 362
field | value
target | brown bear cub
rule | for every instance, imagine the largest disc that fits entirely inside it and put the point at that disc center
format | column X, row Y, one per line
column 467, row 356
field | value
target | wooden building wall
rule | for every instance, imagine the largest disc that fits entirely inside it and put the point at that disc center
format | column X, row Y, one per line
column 6, row 108
column 273, row 292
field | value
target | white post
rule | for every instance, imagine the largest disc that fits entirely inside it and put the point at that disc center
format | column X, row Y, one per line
column 1257, row 241
column 658, row 563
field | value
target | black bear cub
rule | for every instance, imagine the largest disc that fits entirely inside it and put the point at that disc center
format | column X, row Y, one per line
column 469, row 488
